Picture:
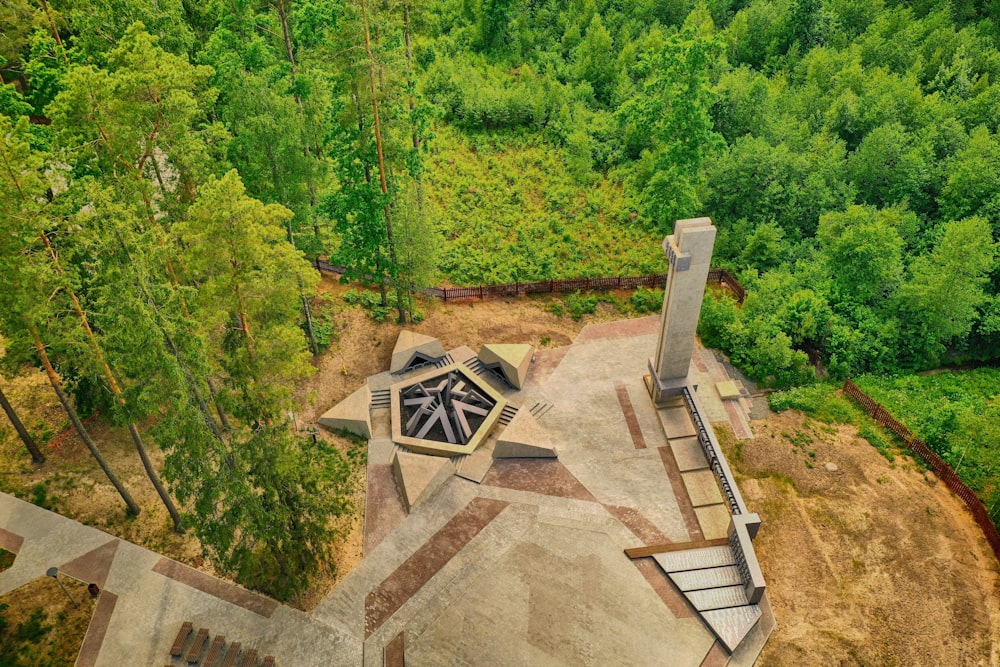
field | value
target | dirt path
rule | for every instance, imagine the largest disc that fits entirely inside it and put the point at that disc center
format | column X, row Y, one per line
column 868, row 562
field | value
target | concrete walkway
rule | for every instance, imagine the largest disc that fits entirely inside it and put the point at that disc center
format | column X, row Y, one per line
column 145, row 597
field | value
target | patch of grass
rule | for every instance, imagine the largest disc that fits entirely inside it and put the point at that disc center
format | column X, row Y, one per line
column 957, row 414
column 824, row 403
column 39, row 625
column 40, row 496
column 821, row 401
column 509, row 210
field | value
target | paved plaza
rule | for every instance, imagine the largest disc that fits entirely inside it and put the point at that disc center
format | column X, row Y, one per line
column 516, row 561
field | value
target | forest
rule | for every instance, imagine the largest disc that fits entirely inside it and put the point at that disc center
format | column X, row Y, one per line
column 171, row 167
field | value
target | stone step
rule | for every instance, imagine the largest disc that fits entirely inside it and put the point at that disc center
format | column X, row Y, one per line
column 476, row 365
column 712, row 577
column 381, row 398
column 696, row 559
column 446, row 360
column 732, row 624
column 507, row 414
column 718, row 598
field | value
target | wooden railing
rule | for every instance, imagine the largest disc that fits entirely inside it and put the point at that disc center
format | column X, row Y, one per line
column 935, row 462
column 721, row 276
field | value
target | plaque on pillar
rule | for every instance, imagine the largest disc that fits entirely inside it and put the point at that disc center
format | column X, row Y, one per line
column 689, row 252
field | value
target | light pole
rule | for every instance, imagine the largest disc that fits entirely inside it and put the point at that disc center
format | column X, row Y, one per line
column 54, row 573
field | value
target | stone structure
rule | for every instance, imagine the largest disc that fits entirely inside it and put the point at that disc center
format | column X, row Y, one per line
column 353, row 414
column 512, row 361
column 689, row 251
column 444, row 411
column 413, row 350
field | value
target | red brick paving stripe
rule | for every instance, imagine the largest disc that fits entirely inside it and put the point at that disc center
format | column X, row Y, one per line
column 543, row 364
column 223, row 590
column 658, row 580
column 98, row 627
column 385, row 600
column 621, row 329
column 383, row 506
column 738, row 420
column 10, row 541
column 681, row 494
column 93, row 566
column 395, row 652
column 717, row 656
column 548, row 477
column 630, row 419
column 640, row 526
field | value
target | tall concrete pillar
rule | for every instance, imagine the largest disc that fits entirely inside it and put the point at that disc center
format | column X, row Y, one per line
column 689, row 252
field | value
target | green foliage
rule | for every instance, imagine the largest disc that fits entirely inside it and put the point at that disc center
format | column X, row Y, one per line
column 325, row 329
column 956, row 414
column 509, row 211
column 646, row 300
column 372, row 302
column 579, row 305
column 820, row 401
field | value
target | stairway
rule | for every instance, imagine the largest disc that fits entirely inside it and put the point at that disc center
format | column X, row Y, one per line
column 507, row 414
column 381, row 398
column 477, row 366
column 446, row 360
column 711, row 581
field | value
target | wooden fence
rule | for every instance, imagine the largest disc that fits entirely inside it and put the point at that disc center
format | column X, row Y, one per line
column 940, row 468
column 721, row 276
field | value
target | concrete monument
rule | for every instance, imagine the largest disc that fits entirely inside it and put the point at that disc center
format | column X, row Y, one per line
column 689, row 252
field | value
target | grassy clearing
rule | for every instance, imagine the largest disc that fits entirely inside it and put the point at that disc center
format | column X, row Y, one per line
column 509, row 209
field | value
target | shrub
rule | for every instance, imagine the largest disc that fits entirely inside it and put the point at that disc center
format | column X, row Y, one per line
column 579, row 305
column 647, row 300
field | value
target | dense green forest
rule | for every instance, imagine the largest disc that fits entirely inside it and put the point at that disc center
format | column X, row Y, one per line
column 169, row 167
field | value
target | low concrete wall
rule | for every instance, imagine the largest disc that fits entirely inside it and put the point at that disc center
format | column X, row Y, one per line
column 717, row 461
column 743, row 525
column 746, row 558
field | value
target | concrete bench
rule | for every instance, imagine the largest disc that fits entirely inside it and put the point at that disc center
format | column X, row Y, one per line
column 182, row 636
column 197, row 647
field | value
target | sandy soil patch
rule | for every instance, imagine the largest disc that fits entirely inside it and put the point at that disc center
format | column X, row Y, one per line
column 868, row 562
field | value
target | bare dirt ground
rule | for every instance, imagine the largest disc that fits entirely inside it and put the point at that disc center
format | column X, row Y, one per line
column 869, row 563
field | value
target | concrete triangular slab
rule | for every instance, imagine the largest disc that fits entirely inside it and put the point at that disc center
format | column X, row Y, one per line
column 732, row 624
column 93, row 566
column 351, row 414
column 514, row 360
column 409, row 343
column 475, row 466
column 419, row 476
column 524, row 437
